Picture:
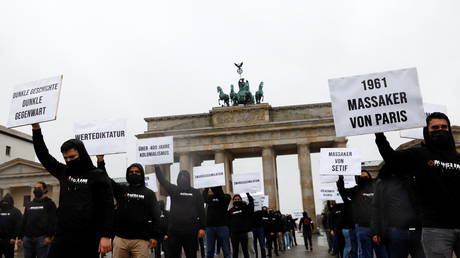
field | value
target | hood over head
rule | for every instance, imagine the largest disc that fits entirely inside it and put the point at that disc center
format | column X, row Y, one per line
column 183, row 180
column 84, row 158
column 134, row 180
column 450, row 145
column 7, row 202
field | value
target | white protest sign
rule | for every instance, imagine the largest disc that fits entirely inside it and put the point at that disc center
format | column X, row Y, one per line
column 339, row 161
column 330, row 194
column 209, row 176
column 334, row 179
column 35, row 102
column 376, row 102
column 156, row 151
column 247, row 183
column 102, row 137
column 151, row 182
column 297, row 214
column 417, row 133
column 260, row 201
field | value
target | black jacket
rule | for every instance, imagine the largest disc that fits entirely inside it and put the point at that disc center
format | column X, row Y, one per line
column 217, row 205
column 85, row 199
column 240, row 217
column 39, row 218
column 306, row 223
column 137, row 213
column 437, row 177
column 164, row 220
column 187, row 207
column 10, row 219
column 361, row 197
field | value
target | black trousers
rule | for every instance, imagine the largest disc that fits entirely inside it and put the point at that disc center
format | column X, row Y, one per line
column 307, row 238
column 239, row 238
column 74, row 246
column 188, row 241
column 6, row 248
column 293, row 236
column 271, row 240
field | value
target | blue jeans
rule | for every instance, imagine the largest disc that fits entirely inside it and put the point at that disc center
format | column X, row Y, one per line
column 34, row 247
column 213, row 234
column 288, row 239
column 366, row 246
column 441, row 242
column 258, row 234
column 347, row 247
column 402, row 242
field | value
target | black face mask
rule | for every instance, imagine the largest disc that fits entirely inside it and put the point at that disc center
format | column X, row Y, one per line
column 363, row 180
column 134, row 180
column 238, row 203
column 4, row 205
column 74, row 164
column 440, row 139
column 38, row 193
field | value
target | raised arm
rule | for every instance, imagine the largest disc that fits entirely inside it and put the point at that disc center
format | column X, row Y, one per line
column 251, row 203
column 117, row 188
column 170, row 188
column 49, row 162
column 345, row 193
column 392, row 156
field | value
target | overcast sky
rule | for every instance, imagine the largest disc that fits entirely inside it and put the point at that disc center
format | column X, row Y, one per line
column 141, row 59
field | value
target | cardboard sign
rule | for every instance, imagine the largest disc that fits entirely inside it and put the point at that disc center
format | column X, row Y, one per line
column 151, row 182
column 102, row 137
column 260, row 201
column 247, row 183
column 340, row 161
column 209, row 176
column 417, row 133
column 376, row 102
column 155, row 151
column 35, row 102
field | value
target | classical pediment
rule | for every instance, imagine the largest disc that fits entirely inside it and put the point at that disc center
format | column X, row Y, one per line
column 21, row 167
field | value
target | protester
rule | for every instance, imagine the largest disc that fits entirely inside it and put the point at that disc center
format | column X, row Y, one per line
column 258, row 220
column 10, row 226
column 38, row 223
column 350, row 248
column 187, row 215
column 280, row 231
column 239, row 220
column 292, row 227
column 337, row 223
column 217, row 220
column 361, row 197
column 395, row 218
column 436, row 167
column 327, row 224
column 137, row 214
column 269, row 231
column 306, row 224
column 163, row 237
column 86, row 207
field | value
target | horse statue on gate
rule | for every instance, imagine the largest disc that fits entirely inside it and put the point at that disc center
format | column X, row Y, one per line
column 260, row 93
column 233, row 96
column 223, row 96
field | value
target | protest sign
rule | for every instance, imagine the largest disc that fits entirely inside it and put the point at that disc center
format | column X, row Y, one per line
column 334, row 179
column 35, row 102
column 158, row 150
column 102, row 137
column 247, row 183
column 151, row 182
column 330, row 193
column 297, row 214
column 417, row 133
column 209, row 176
column 340, row 161
column 260, row 200
column 376, row 102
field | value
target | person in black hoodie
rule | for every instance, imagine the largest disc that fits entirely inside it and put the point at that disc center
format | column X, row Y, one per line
column 187, row 216
column 307, row 224
column 361, row 197
column 216, row 220
column 271, row 233
column 137, row 214
column 239, row 220
column 10, row 226
column 163, row 236
column 436, row 167
column 395, row 218
column 38, row 223
column 86, row 206
column 257, row 228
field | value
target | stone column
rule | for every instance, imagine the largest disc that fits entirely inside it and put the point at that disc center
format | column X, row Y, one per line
column 270, row 176
column 306, row 180
column 188, row 161
column 222, row 156
column 56, row 190
column 166, row 170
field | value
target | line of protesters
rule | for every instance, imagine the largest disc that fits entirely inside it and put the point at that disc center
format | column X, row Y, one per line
column 97, row 215
column 409, row 209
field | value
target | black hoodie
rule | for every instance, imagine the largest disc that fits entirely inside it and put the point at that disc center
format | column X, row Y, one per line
column 437, row 177
column 217, row 205
column 39, row 218
column 10, row 219
column 137, row 213
column 86, row 206
column 240, row 216
column 187, row 207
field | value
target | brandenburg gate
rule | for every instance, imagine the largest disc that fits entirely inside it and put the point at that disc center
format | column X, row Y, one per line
column 227, row 133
